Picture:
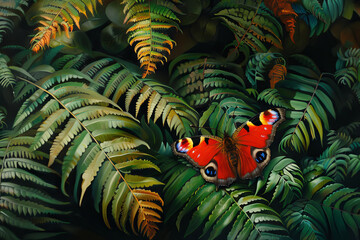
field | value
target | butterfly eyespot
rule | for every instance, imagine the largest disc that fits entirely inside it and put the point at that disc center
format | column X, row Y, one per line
column 260, row 156
column 210, row 171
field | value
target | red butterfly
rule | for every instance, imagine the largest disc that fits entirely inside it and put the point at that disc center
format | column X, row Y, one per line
column 243, row 155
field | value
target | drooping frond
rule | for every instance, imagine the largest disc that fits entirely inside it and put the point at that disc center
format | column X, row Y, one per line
column 85, row 130
column 200, row 79
column 6, row 77
column 282, row 179
column 199, row 211
column 9, row 12
column 140, row 208
column 152, row 22
column 295, row 92
column 325, row 13
column 239, row 16
column 57, row 16
column 305, row 220
column 25, row 196
column 159, row 100
column 348, row 66
column 328, row 205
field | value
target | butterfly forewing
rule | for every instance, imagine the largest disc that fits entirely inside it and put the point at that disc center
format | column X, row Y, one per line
column 253, row 139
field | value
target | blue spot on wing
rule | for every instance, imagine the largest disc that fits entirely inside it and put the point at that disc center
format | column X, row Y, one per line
column 181, row 149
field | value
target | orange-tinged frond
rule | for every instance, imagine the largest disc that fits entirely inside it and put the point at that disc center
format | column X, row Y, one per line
column 284, row 10
column 56, row 16
column 276, row 74
column 149, row 31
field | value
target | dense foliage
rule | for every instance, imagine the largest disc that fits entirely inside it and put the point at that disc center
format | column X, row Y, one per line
column 93, row 93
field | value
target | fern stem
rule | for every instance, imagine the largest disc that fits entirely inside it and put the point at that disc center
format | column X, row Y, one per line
column 247, row 30
column 147, row 69
column 107, row 157
column 52, row 21
column 242, row 210
column 312, row 96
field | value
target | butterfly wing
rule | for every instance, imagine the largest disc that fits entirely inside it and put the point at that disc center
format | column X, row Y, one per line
column 253, row 139
column 206, row 153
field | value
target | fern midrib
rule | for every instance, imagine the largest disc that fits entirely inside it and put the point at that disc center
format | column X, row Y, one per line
column 151, row 42
column 52, row 21
column 247, row 30
column 107, row 157
column 242, row 210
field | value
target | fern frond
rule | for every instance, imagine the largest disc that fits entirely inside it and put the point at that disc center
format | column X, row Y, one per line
column 200, row 79
column 24, row 195
column 3, row 114
column 239, row 16
column 338, row 203
column 305, row 219
column 6, row 77
column 298, row 89
column 325, row 13
column 353, row 165
column 283, row 179
column 348, row 66
column 152, row 22
column 136, row 207
column 230, row 213
column 273, row 97
column 221, row 117
column 108, row 132
column 260, row 65
column 57, row 16
column 9, row 12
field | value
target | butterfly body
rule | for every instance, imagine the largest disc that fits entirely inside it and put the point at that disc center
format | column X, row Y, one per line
column 240, row 156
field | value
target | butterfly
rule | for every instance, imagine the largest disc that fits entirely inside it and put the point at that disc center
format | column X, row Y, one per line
column 241, row 156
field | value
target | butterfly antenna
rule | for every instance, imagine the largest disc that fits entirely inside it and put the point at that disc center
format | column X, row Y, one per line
column 312, row 96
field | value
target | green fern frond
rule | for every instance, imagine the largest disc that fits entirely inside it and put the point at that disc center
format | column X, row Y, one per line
column 334, row 161
column 9, row 12
column 260, row 64
column 239, row 18
column 6, row 77
column 203, row 212
column 354, row 165
column 273, row 97
column 305, row 220
column 200, row 80
column 88, row 116
column 297, row 89
column 348, row 66
column 283, row 179
column 221, row 117
column 24, row 193
column 152, row 22
column 3, row 114
column 338, row 203
column 326, row 13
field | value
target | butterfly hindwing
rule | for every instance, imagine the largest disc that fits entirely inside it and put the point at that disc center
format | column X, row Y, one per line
column 205, row 152
column 253, row 139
